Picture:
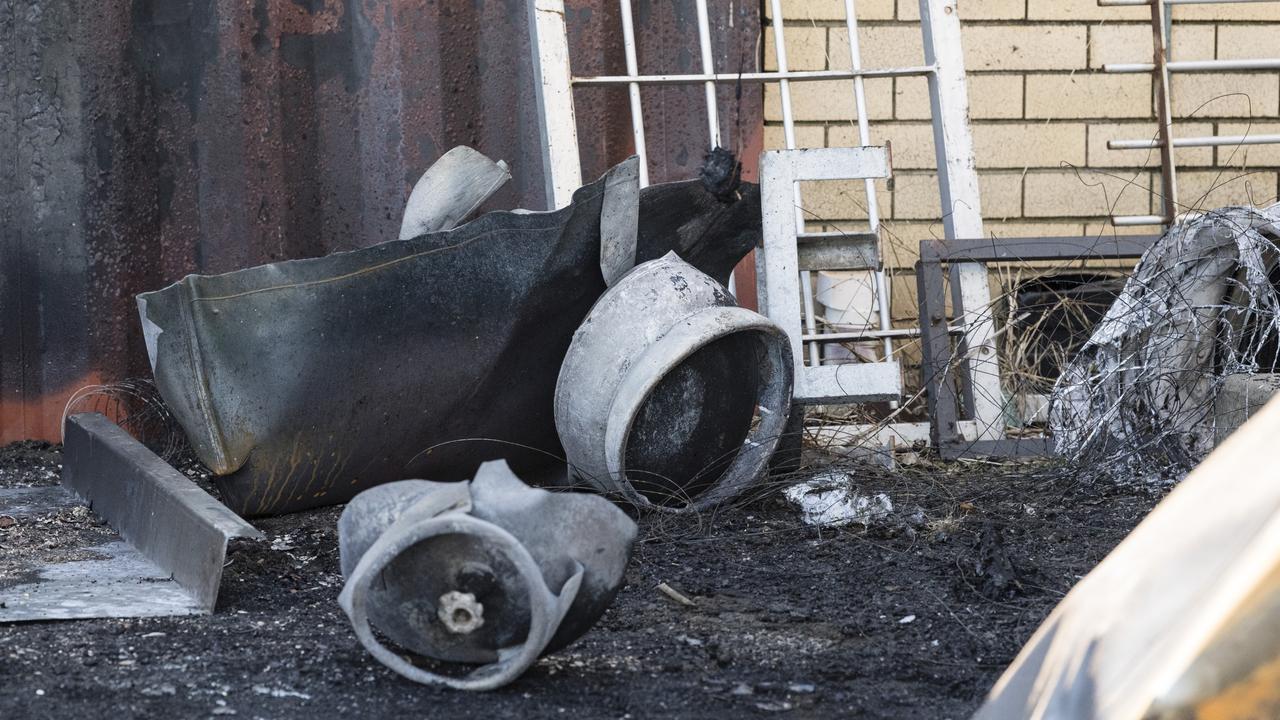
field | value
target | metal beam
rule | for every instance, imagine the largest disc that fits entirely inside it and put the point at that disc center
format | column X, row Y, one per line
column 1202, row 141
column 158, row 510
column 1194, row 66
column 753, row 77
column 943, row 401
column 554, row 93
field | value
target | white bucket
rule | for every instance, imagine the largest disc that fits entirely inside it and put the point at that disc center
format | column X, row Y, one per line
column 849, row 304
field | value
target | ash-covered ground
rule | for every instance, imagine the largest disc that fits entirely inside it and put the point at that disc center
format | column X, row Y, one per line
column 913, row 617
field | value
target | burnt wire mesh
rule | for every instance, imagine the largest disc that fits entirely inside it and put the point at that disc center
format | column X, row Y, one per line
column 135, row 405
column 1201, row 305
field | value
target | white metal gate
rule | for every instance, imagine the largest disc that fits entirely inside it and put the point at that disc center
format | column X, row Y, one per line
column 957, row 179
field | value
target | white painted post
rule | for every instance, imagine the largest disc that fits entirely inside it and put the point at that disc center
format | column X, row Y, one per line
column 554, row 90
column 789, row 137
column 633, row 70
column 708, row 67
column 869, row 186
column 962, row 211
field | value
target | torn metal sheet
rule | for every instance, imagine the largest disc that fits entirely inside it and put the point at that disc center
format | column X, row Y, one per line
column 832, row 500
column 165, row 556
column 489, row 572
column 301, row 383
column 1182, row 619
column 450, row 190
column 662, row 387
column 114, row 580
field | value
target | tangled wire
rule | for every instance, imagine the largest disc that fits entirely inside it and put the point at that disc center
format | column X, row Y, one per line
column 135, row 405
column 1200, row 306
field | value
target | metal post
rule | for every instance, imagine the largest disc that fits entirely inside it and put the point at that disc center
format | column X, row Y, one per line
column 1164, row 113
column 789, row 135
column 873, row 204
column 1202, row 141
column 554, row 92
column 708, row 66
column 1194, row 66
column 962, row 213
column 754, row 77
column 633, row 70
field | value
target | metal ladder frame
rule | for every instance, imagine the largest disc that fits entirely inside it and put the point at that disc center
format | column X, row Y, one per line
column 953, row 144
column 1161, row 67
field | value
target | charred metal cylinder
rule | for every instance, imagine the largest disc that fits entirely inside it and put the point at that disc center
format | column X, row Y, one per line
column 488, row 571
column 671, row 396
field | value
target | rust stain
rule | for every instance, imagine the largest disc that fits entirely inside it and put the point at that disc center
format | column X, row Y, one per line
column 40, row 416
column 205, row 137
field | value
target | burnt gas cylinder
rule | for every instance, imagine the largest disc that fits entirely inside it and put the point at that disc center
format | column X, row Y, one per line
column 488, row 571
column 671, row 396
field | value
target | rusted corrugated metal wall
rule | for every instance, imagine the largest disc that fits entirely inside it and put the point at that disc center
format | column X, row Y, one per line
column 141, row 141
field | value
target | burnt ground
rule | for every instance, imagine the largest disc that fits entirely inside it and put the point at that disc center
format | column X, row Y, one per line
column 913, row 617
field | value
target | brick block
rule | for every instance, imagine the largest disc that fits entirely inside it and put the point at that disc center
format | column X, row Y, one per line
column 1264, row 11
column 1020, row 228
column 1128, row 42
column 1078, row 10
column 1253, row 156
column 807, row 136
column 911, row 98
column 971, row 10
column 1025, row 47
column 916, row 196
column 1131, row 43
column 1103, row 229
column 828, row 100
column 1239, row 42
column 806, row 48
column 1226, row 95
column 903, row 305
column 1191, row 42
column 911, row 143
column 1210, row 189
column 1001, row 194
column 881, row 46
column 900, row 241
column 1032, row 144
column 836, row 201
column 990, row 10
column 807, row 10
column 990, row 97
column 1086, row 193
column 1101, row 133
column 1088, row 95
column 993, row 97
column 810, row 10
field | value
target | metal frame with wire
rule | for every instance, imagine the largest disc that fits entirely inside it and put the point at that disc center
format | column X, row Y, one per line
column 952, row 412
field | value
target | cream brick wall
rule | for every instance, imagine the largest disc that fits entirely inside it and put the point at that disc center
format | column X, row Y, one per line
column 1042, row 112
